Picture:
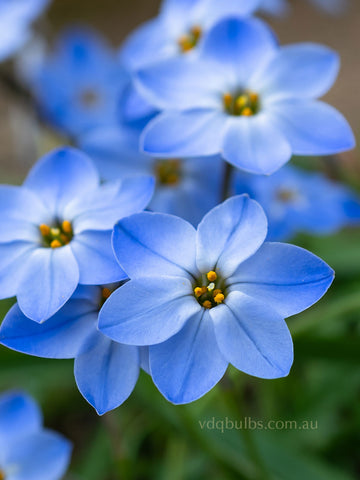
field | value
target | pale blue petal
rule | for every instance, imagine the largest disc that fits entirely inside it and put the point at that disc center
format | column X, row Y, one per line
column 189, row 364
column 229, row 234
column 13, row 260
column 252, row 336
column 20, row 204
column 239, row 46
column 107, row 374
column 156, row 309
column 61, row 336
column 287, row 278
column 256, row 145
column 60, row 176
column 302, row 70
column 111, row 202
column 19, row 415
column 311, row 127
column 148, row 244
column 49, row 278
column 95, row 257
column 40, row 456
column 178, row 83
column 188, row 134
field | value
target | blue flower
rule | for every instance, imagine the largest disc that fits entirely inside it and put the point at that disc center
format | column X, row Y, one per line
column 105, row 371
column 27, row 450
column 204, row 298
column 298, row 201
column 179, row 28
column 78, row 86
column 188, row 188
column 16, row 17
column 257, row 106
column 56, row 230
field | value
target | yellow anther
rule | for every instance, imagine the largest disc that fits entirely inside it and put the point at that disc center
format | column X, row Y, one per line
column 45, row 231
column 2, row 475
column 228, row 100
column 196, row 31
column 211, row 276
column 66, row 226
column 55, row 244
column 247, row 112
column 216, row 291
column 254, row 97
column 207, row 304
column 106, row 292
column 55, row 232
column 198, row 291
column 241, row 101
column 219, row 298
column 64, row 238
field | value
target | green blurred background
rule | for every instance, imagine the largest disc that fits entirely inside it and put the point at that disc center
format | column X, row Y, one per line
column 312, row 417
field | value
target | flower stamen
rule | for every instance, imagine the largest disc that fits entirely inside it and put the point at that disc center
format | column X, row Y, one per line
column 189, row 40
column 209, row 296
column 57, row 236
column 245, row 103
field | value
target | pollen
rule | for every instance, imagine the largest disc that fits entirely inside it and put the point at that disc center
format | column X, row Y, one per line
column 66, row 226
column 241, row 103
column 207, row 304
column 199, row 291
column 45, row 231
column 211, row 276
column 247, row 112
column 55, row 244
column 219, row 298
column 228, row 100
column 106, row 292
column 189, row 40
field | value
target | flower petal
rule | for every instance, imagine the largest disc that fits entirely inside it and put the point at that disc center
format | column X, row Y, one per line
column 60, row 176
column 311, row 127
column 96, row 259
column 148, row 244
column 19, row 415
column 178, row 83
column 50, row 277
column 229, row 234
column 61, row 336
column 22, row 205
column 288, row 278
column 107, row 374
column 252, row 336
column 111, row 202
column 41, row 456
column 300, row 70
column 239, row 46
column 189, row 364
column 255, row 145
column 156, row 309
column 189, row 134
column 13, row 260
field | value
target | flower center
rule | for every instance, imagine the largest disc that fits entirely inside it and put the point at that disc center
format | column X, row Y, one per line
column 189, row 40
column 89, row 98
column 58, row 236
column 209, row 294
column 105, row 294
column 286, row 195
column 243, row 103
column 168, row 172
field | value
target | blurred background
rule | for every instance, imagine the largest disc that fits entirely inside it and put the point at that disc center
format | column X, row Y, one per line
column 310, row 421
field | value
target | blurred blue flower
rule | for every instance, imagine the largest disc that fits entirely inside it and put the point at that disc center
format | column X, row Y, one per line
column 78, row 86
column 188, row 188
column 105, row 371
column 16, row 17
column 204, row 298
column 281, row 7
column 56, row 230
column 179, row 28
column 27, row 450
column 246, row 98
column 298, row 201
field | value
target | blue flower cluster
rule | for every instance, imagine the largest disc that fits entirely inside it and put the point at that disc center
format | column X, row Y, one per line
column 196, row 282
column 27, row 450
